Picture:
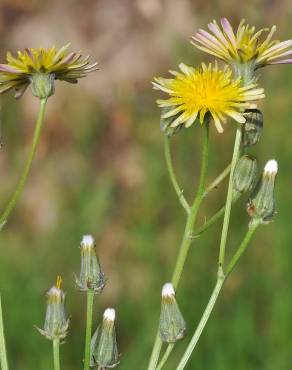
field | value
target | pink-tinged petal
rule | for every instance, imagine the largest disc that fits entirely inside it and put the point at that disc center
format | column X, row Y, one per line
column 28, row 52
column 280, row 46
column 20, row 91
column 206, row 42
column 285, row 61
column 67, row 59
column 210, row 37
column 8, row 69
column 207, row 50
column 281, row 55
column 229, row 31
column 213, row 27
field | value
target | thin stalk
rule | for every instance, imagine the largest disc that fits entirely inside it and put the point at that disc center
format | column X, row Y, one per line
column 241, row 249
column 236, row 152
column 165, row 356
column 169, row 164
column 155, row 352
column 19, row 188
column 220, row 281
column 187, row 237
column 89, row 311
column 213, row 219
column 56, row 353
column 218, row 179
column 202, row 323
column 3, row 354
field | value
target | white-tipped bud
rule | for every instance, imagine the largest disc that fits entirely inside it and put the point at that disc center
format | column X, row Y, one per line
column 261, row 206
column 167, row 290
column 87, row 241
column 109, row 314
column 104, row 350
column 91, row 276
column 271, row 167
column 172, row 326
column 56, row 324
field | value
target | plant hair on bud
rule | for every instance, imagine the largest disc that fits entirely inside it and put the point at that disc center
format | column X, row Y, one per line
column 168, row 290
column 271, row 167
column 109, row 314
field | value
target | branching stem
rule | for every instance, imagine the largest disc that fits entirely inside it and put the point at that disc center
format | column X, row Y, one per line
column 219, row 284
column 187, row 237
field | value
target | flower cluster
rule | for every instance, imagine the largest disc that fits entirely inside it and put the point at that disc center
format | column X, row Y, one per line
column 208, row 91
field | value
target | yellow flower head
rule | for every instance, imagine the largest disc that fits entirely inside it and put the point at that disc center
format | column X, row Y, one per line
column 244, row 46
column 30, row 64
column 196, row 92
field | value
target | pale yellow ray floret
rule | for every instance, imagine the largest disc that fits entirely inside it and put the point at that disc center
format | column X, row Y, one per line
column 196, row 92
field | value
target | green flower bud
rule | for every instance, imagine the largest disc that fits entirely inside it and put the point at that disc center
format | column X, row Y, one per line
column 56, row 324
column 42, row 84
column 91, row 277
column 104, row 350
column 253, row 127
column 245, row 174
column 172, row 326
column 261, row 206
column 165, row 123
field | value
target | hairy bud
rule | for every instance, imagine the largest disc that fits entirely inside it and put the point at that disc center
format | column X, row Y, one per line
column 172, row 326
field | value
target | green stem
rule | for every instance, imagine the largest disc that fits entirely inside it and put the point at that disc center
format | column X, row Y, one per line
column 3, row 355
column 220, row 281
column 10, row 206
column 165, row 356
column 202, row 323
column 172, row 175
column 155, row 352
column 187, row 237
column 90, row 297
column 241, row 249
column 218, row 179
column 213, row 219
column 56, row 353
column 236, row 152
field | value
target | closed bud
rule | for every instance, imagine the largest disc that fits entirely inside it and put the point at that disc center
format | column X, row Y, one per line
column 172, row 326
column 245, row 174
column 56, row 324
column 91, row 277
column 253, row 127
column 165, row 123
column 104, row 349
column 42, row 84
column 261, row 206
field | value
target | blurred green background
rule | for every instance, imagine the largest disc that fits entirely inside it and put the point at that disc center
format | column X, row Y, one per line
column 100, row 170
